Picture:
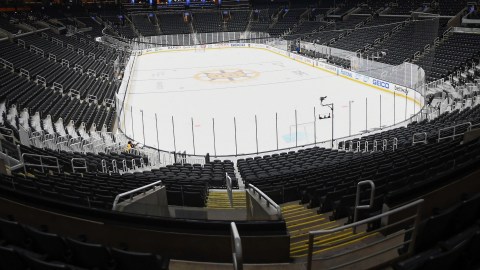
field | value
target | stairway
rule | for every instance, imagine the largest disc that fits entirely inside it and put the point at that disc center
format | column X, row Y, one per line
column 218, row 199
column 301, row 220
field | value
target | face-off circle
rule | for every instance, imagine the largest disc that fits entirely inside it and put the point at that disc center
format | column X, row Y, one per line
column 226, row 75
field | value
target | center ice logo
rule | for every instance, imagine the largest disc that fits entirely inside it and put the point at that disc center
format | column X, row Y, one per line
column 226, row 75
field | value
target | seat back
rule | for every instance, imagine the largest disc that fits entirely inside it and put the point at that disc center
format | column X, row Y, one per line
column 11, row 260
column 89, row 255
column 126, row 260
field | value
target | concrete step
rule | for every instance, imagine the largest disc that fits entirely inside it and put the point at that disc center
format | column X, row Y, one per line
column 218, row 199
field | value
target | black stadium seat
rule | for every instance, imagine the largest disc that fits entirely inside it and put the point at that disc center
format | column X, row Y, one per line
column 89, row 255
column 51, row 245
column 11, row 260
column 126, row 260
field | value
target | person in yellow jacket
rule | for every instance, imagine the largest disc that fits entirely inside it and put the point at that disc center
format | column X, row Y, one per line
column 129, row 146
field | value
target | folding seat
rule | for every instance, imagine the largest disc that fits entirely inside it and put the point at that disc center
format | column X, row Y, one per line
column 14, row 234
column 49, row 244
column 467, row 213
column 174, row 197
column 447, row 259
column 127, row 260
column 89, row 255
column 193, row 198
column 10, row 259
column 435, row 228
column 37, row 264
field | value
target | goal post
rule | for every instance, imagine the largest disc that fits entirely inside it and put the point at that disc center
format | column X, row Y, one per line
column 200, row 48
column 305, row 132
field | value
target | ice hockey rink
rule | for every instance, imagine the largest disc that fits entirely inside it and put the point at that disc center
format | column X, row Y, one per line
column 243, row 100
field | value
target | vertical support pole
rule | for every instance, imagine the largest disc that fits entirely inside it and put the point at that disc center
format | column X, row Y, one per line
column 256, row 132
column 311, row 239
column 394, row 108
column 332, row 126
column 235, row 126
column 158, row 141
column 131, row 114
column 411, row 75
column 124, row 119
column 214, row 138
column 143, row 128
column 380, row 112
column 296, row 129
column 349, row 118
column 406, row 105
column 414, row 102
column 314, row 126
column 174, row 141
column 366, row 114
column 416, row 224
column 193, row 137
column 276, row 127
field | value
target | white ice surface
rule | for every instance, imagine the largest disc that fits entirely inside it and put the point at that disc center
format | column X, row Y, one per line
column 173, row 84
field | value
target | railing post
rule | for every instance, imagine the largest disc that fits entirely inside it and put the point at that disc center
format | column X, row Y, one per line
column 237, row 252
column 357, row 200
column 235, row 128
column 41, row 164
column 418, row 218
column 311, row 238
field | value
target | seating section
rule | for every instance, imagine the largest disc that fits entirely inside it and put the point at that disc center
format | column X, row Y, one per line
column 404, row 135
column 306, row 29
column 237, row 21
column 24, row 93
column 321, row 177
column 7, row 26
column 188, row 184
column 459, row 49
column 126, row 31
column 287, row 18
column 90, row 22
column 399, row 47
column 368, row 33
column 262, row 18
column 334, row 29
column 405, row 7
column 449, row 8
column 25, row 247
column 173, row 24
column 327, row 179
column 144, row 24
column 448, row 239
column 205, row 22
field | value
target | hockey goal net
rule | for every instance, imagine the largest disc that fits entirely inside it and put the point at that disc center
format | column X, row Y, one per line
column 200, row 48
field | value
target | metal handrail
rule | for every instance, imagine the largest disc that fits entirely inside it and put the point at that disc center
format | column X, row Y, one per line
column 7, row 130
column 416, row 136
column 237, row 253
column 124, row 165
column 357, row 200
column 41, row 165
column 416, row 217
column 79, row 167
column 104, row 166
column 267, row 199
column 144, row 188
column 114, row 166
column 375, row 145
column 469, row 127
column 228, row 181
